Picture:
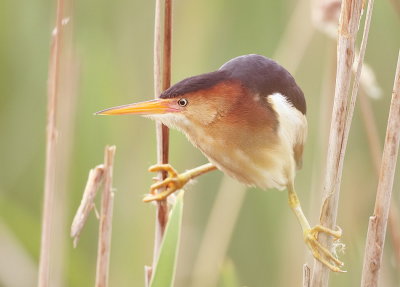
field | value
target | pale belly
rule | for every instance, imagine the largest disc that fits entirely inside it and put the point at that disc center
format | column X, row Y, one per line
column 262, row 158
column 266, row 168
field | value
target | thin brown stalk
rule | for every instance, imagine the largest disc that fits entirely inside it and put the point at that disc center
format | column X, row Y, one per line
column 107, row 199
column 49, row 184
column 162, row 81
column 378, row 222
column 162, row 133
column 348, row 27
column 93, row 183
column 167, row 54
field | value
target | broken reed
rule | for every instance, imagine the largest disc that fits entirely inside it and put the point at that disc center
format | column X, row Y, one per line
column 101, row 174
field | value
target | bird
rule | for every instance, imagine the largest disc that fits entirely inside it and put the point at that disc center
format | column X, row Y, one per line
column 249, row 120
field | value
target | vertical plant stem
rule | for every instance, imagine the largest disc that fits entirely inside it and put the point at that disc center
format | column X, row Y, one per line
column 378, row 222
column 375, row 150
column 49, row 184
column 105, row 226
column 356, row 83
column 306, row 276
column 162, row 81
column 348, row 28
column 66, row 118
column 166, row 80
column 161, row 130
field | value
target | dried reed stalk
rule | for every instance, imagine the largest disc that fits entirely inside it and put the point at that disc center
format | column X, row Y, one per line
column 49, row 184
column 378, row 222
column 326, row 20
column 360, row 62
column 375, row 150
column 107, row 199
column 93, row 183
column 348, row 27
column 161, row 130
column 162, row 81
column 66, row 118
column 306, row 276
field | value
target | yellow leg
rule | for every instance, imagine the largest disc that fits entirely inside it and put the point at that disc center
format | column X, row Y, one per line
column 320, row 252
column 174, row 181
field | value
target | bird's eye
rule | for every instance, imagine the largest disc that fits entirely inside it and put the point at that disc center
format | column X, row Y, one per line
column 183, row 102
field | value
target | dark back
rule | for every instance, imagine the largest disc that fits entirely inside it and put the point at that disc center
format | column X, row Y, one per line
column 257, row 73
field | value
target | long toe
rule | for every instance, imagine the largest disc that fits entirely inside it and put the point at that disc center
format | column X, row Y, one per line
column 336, row 234
column 320, row 252
column 162, row 189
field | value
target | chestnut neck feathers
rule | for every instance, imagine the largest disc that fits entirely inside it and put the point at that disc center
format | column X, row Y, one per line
column 248, row 118
column 256, row 74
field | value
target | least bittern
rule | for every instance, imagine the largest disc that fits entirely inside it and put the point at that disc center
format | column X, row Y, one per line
column 248, row 118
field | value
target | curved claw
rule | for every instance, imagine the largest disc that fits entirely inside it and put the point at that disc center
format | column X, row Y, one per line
column 320, row 252
column 167, row 183
column 172, row 183
column 152, row 197
column 336, row 234
column 164, row 167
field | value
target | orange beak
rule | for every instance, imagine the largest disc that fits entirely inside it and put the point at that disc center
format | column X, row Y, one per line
column 153, row 107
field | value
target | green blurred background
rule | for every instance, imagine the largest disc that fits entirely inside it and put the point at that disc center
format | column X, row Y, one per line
column 107, row 61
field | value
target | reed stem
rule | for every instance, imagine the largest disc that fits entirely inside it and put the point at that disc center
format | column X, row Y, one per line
column 378, row 222
column 51, row 159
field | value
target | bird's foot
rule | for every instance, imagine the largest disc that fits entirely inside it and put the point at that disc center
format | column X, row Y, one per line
column 320, row 252
column 172, row 183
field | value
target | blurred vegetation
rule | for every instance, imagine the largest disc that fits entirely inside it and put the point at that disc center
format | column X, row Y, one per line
column 113, row 48
column 163, row 273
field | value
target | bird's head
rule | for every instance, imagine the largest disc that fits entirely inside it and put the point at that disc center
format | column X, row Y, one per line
column 194, row 102
column 235, row 97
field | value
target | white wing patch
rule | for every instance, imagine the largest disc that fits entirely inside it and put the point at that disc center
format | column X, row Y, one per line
column 293, row 124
